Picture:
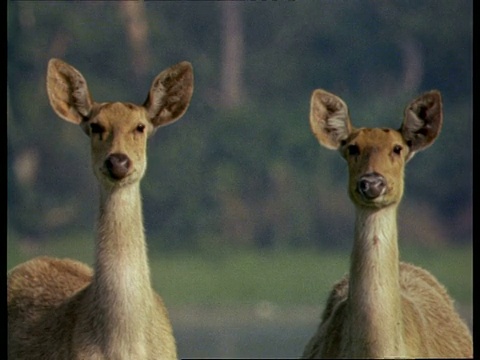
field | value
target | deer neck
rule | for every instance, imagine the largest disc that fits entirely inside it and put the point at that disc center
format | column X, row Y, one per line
column 374, row 305
column 123, row 296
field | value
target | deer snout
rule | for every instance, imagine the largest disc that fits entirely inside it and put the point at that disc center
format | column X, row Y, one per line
column 372, row 185
column 118, row 165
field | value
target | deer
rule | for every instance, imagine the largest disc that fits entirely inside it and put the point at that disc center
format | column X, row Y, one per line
column 63, row 309
column 383, row 307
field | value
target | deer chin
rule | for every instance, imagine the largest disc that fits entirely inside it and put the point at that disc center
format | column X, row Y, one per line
column 385, row 199
column 378, row 202
column 109, row 180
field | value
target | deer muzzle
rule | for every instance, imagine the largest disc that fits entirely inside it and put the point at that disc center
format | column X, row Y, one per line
column 371, row 185
column 118, row 165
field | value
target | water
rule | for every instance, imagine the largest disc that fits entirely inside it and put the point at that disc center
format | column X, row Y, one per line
column 264, row 331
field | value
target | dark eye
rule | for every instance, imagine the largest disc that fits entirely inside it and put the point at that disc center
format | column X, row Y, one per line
column 353, row 150
column 397, row 149
column 140, row 128
column 96, row 128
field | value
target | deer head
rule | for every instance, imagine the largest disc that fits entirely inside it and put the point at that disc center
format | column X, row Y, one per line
column 119, row 131
column 376, row 157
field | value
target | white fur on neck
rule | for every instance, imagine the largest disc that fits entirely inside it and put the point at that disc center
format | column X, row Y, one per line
column 122, row 273
column 375, row 327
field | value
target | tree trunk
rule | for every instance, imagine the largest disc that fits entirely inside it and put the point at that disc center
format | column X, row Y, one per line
column 231, row 86
column 133, row 14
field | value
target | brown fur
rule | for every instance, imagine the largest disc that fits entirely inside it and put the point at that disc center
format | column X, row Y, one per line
column 384, row 307
column 60, row 308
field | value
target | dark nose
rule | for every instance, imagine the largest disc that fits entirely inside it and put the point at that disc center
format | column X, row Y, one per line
column 371, row 185
column 118, row 165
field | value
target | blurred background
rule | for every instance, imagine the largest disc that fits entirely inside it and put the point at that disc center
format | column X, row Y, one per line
column 247, row 218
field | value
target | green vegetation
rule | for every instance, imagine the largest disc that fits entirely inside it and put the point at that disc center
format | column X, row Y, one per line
column 241, row 277
column 246, row 172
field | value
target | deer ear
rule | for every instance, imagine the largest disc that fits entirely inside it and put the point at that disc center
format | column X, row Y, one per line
column 170, row 94
column 329, row 119
column 423, row 121
column 68, row 92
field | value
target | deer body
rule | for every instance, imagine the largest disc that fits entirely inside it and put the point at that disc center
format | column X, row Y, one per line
column 383, row 307
column 60, row 308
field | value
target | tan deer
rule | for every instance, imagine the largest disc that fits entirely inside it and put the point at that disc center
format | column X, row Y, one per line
column 60, row 308
column 384, row 307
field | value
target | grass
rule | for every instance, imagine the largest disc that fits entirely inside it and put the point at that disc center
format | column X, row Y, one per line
column 248, row 277
column 236, row 277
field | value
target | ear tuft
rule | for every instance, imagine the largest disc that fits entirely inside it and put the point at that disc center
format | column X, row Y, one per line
column 170, row 94
column 68, row 92
column 423, row 121
column 329, row 119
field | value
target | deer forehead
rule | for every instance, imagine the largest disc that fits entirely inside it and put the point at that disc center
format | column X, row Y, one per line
column 376, row 139
column 121, row 117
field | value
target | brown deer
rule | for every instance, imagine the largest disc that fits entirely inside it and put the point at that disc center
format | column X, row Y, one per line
column 384, row 307
column 60, row 308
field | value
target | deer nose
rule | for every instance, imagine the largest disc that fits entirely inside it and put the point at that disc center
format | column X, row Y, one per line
column 118, row 165
column 372, row 185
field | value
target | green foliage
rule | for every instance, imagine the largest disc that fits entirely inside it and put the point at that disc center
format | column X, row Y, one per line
column 251, row 176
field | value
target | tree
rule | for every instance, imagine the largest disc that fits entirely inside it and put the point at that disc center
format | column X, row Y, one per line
column 231, row 85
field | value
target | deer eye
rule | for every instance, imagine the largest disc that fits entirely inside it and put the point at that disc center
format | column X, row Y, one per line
column 397, row 149
column 353, row 150
column 140, row 128
column 96, row 128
